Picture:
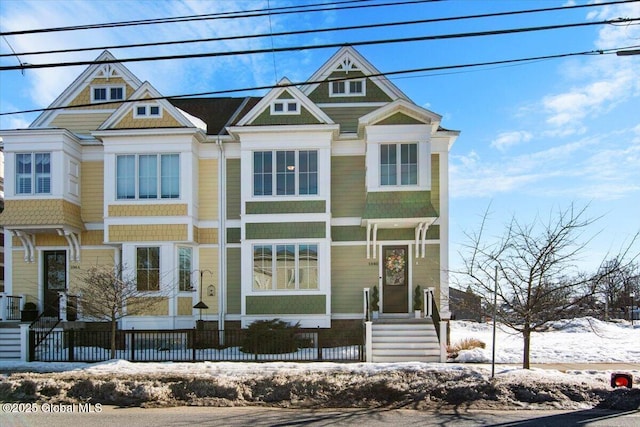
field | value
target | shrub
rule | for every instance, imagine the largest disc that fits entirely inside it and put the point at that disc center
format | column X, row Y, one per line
column 465, row 344
column 271, row 337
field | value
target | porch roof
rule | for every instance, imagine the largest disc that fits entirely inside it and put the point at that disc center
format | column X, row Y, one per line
column 398, row 204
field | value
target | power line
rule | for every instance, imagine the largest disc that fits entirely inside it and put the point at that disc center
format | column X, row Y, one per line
column 611, row 51
column 319, row 7
column 321, row 30
column 322, row 46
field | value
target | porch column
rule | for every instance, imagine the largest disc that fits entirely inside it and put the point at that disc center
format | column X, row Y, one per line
column 368, row 341
column 24, row 342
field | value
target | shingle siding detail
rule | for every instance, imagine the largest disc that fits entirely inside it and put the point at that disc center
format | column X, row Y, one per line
column 348, row 191
column 313, row 206
column 285, row 230
column 286, row 304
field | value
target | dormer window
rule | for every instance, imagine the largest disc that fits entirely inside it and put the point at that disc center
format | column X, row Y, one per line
column 107, row 93
column 285, row 107
column 347, row 88
column 148, row 111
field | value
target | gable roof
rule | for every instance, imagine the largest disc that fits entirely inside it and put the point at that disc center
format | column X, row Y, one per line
column 217, row 113
column 405, row 108
column 349, row 59
column 93, row 71
column 285, row 87
column 145, row 89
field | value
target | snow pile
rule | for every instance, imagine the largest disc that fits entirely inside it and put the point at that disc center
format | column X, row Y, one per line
column 583, row 340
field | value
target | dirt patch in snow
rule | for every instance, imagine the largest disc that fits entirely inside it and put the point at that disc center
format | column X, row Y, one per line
column 411, row 388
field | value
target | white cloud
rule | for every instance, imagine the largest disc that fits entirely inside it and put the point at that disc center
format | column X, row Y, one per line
column 509, row 139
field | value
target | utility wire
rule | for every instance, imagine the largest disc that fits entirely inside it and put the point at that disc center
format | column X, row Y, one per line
column 611, row 51
column 322, row 46
column 319, row 7
column 319, row 30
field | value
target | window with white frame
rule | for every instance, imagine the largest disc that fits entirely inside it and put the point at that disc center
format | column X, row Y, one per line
column 398, row 164
column 285, row 107
column 33, row 173
column 285, row 267
column 148, row 268
column 185, row 268
column 296, row 172
column 347, row 88
column 107, row 93
column 148, row 176
column 149, row 110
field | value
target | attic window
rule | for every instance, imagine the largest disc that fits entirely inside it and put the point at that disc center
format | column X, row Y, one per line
column 107, row 93
column 146, row 110
column 347, row 88
column 285, row 107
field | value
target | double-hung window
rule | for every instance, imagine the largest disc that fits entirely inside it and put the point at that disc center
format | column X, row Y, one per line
column 148, row 268
column 107, row 93
column 185, row 264
column 33, row 173
column 148, row 176
column 398, row 164
column 285, row 267
column 347, row 88
column 296, row 173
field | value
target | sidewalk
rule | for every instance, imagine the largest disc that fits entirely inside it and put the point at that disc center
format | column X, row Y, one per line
column 617, row 366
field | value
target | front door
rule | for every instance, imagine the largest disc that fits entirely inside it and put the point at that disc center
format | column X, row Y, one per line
column 395, row 279
column 55, row 280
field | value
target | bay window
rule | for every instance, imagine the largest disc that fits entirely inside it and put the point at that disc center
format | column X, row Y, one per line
column 33, row 173
column 147, row 176
column 296, row 173
column 294, row 267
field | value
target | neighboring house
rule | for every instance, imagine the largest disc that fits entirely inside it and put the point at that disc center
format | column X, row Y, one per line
column 465, row 305
column 282, row 206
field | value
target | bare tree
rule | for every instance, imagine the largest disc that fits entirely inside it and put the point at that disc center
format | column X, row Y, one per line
column 539, row 281
column 109, row 296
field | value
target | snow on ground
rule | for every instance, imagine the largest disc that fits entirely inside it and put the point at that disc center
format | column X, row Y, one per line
column 583, row 340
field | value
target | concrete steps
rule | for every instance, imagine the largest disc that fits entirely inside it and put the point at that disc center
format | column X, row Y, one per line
column 404, row 341
column 10, row 343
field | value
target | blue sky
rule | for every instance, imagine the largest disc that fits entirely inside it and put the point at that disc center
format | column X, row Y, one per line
column 535, row 137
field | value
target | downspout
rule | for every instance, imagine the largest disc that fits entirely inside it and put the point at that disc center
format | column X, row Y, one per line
column 222, row 236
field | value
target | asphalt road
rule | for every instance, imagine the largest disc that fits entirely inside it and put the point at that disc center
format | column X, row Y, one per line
column 258, row 416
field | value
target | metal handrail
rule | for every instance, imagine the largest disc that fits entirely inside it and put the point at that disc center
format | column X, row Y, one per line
column 435, row 315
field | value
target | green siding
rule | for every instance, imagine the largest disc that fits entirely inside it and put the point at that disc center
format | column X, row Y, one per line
column 400, row 119
column 289, row 304
column 286, row 95
column 399, row 204
column 435, row 182
column 372, row 91
column 233, row 281
column 304, row 118
column 426, row 271
column 351, row 233
column 233, row 235
column 312, row 206
column 233, row 188
column 348, row 191
column 350, row 273
column 285, row 230
column 347, row 117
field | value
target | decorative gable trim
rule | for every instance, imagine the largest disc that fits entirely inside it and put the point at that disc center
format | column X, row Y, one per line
column 97, row 70
column 405, row 108
column 144, row 93
column 347, row 59
column 287, row 94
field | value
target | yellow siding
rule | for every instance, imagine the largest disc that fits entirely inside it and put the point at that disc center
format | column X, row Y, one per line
column 92, row 238
column 130, row 122
column 148, row 233
column 92, row 191
column 151, row 306
column 80, row 123
column 209, row 261
column 208, row 235
column 25, row 276
column 84, row 97
column 50, row 240
column 148, row 210
column 185, row 306
column 88, row 259
column 41, row 212
column 208, row 189
column 435, row 181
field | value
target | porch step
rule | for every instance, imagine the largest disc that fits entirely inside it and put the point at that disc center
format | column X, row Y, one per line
column 10, row 343
column 404, row 341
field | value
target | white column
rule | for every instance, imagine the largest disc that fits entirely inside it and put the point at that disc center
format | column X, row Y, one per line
column 3, row 306
column 368, row 341
column 24, row 342
column 63, row 306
